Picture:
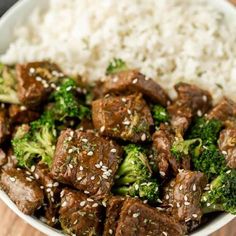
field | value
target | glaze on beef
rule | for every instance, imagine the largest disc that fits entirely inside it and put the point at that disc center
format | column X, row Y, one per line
column 86, row 161
column 125, row 117
column 23, row 190
column 79, row 214
column 128, row 82
column 139, row 219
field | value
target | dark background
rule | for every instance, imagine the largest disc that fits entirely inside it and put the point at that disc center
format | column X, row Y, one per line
column 5, row 4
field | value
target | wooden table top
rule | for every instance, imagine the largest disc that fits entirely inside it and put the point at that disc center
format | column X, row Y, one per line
column 12, row 225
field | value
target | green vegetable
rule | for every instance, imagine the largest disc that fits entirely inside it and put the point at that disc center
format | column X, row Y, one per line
column 8, row 89
column 206, row 130
column 221, row 196
column 160, row 114
column 146, row 190
column 115, row 66
column 134, row 167
column 210, row 161
column 181, row 148
column 38, row 142
column 67, row 105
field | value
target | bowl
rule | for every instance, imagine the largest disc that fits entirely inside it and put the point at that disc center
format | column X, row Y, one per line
column 18, row 14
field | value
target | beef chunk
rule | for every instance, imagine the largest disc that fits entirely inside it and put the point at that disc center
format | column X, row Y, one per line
column 163, row 140
column 227, row 145
column 79, row 214
column 138, row 219
column 4, row 125
column 127, row 82
column 191, row 101
column 21, row 114
column 183, row 196
column 36, row 81
column 51, row 192
column 126, row 117
column 113, row 210
column 225, row 111
column 86, row 161
column 22, row 189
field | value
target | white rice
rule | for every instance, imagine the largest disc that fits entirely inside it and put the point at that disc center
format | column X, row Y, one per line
column 170, row 41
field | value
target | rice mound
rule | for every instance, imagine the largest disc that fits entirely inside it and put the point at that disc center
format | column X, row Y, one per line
column 170, row 41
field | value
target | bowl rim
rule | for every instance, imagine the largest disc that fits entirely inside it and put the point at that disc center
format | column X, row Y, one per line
column 9, row 19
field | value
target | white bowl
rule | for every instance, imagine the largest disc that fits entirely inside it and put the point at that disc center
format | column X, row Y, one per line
column 15, row 16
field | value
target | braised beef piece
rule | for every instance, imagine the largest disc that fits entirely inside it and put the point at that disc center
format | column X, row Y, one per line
column 21, row 114
column 86, row 161
column 224, row 111
column 227, row 145
column 23, row 190
column 125, row 117
column 191, row 101
column 4, row 125
column 113, row 209
column 139, row 219
column 128, row 82
column 3, row 158
column 51, row 190
column 182, row 196
column 163, row 140
column 36, row 80
column 79, row 214
column 86, row 124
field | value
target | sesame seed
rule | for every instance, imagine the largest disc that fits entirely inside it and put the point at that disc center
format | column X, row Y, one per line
column 126, row 122
column 90, row 200
column 38, row 78
column 199, row 113
column 187, row 220
column 194, row 187
column 28, row 179
column 97, row 166
column 71, row 166
column 208, row 204
column 110, row 231
column 135, row 215
column 164, row 233
column 70, row 150
column 56, row 184
column 75, row 222
column 135, row 81
column 104, row 203
column 204, row 98
column 53, row 219
column 123, row 100
column 23, row 108
column 177, row 204
column 31, row 70
column 194, row 215
column 69, row 88
column 86, row 192
column 95, row 205
column 228, row 171
column 36, row 176
column 129, row 111
column 93, row 178
column 186, row 203
column 104, row 176
column 171, row 205
column 12, row 179
column 42, row 187
column 79, row 178
column 115, row 79
column 84, row 140
column 185, row 198
column 32, row 168
column 102, row 129
column 143, row 137
column 113, row 150
column 90, row 153
column 49, row 185
column 82, row 203
column 180, row 187
column 146, row 78
column 224, row 152
column 62, row 193
column 159, row 200
column 81, row 168
column 64, row 204
column 167, row 197
column 162, row 173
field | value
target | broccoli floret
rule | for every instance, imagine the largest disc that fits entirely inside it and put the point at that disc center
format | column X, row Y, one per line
column 37, row 142
column 221, row 196
column 146, row 190
column 115, row 66
column 206, row 130
column 160, row 114
column 181, row 148
column 67, row 104
column 209, row 161
column 134, row 167
column 8, row 90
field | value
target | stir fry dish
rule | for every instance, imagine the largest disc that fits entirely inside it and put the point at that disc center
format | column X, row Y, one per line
column 117, row 156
